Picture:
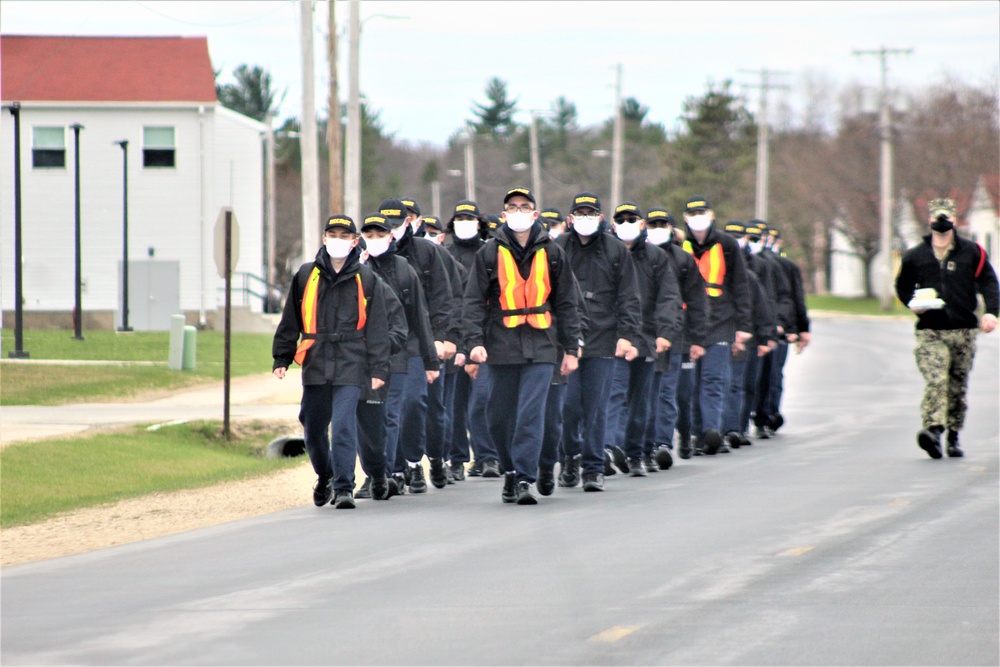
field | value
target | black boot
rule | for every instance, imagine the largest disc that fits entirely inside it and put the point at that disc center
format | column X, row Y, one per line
column 954, row 451
column 929, row 440
column 509, row 492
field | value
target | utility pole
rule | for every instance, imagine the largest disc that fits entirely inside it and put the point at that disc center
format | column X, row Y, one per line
column 124, row 326
column 352, row 157
column 885, row 175
column 308, row 139
column 333, row 124
column 536, row 159
column 616, row 142
column 470, row 165
column 436, row 198
column 763, row 138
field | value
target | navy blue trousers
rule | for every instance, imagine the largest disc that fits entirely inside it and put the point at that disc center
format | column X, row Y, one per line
column 552, row 440
column 711, row 377
column 327, row 409
column 479, row 433
column 517, row 415
column 413, row 416
column 585, row 413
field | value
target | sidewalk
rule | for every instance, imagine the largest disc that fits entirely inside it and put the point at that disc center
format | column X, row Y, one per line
column 251, row 397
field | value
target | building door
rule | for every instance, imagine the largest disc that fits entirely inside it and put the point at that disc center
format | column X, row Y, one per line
column 154, row 294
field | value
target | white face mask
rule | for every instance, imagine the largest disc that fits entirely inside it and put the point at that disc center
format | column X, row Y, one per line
column 776, row 249
column 338, row 248
column 399, row 232
column 627, row 231
column 520, row 221
column 554, row 233
column 466, row 229
column 416, row 224
column 755, row 247
column 586, row 225
column 700, row 222
column 659, row 235
column 378, row 246
column 436, row 239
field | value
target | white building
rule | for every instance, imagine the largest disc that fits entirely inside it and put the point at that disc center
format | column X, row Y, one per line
column 187, row 158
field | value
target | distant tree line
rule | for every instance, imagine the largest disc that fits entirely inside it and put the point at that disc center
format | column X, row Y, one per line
column 824, row 161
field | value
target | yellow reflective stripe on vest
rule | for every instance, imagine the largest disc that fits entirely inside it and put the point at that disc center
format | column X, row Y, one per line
column 516, row 293
column 310, row 299
column 712, row 265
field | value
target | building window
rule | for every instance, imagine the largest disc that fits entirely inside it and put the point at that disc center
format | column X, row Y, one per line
column 158, row 147
column 48, row 147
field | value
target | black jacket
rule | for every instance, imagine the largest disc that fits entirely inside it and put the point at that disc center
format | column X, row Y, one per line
column 794, row 276
column 729, row 312
column 607, row 277
column 425, row 259
column 403, row 281
column 955, row 281
column 662, row 314
column 340, row 356
column 483, row 323
column 695, row 301
column 775, row 284
column 765, row 324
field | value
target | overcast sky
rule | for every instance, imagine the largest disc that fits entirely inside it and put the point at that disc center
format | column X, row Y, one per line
column 424, row 71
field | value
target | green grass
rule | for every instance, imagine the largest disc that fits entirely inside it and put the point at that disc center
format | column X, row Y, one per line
column 45, row 478
column 854, row 306
column 37, row 384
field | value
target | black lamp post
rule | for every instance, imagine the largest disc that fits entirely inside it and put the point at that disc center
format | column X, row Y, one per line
column 124, row 144
column 18, row 351
column 78, row 309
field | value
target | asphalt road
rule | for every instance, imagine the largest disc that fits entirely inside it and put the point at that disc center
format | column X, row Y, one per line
column 837, row 542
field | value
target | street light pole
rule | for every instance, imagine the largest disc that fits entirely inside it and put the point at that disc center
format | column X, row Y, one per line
column 352, row 149
column 78, row 276
column 18, row 351
column 470, row 166
column 124, row 144
column 617, row 141
column 308, row 141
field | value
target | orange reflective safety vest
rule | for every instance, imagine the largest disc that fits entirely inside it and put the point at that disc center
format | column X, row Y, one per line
column 712, row 265
column 524, row 300
column 309, row 302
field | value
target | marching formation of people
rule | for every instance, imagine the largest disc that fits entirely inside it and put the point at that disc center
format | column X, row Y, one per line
column 535, row 348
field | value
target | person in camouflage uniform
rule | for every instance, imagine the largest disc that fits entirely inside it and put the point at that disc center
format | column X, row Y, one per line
column 948, row 271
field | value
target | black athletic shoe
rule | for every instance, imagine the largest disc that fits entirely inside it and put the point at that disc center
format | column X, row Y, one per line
column 439, row 478
column 609, row 468
column 397, row 485
column 593, row 481
column 509, row 492
column 491, row 468
column 417, row 482
column 636, row 468
column 762, row 432
column 744, row 440
column 664, row 459
column 620, row 460
column 379, row 487
column 930, row 441
column 323, row 491
column 365, row 492
column 651, row 465
column 524, row 494
column 569, row 475
column 733, row 439
column 546, row 482
column 343, row 500
column 448, row 475
column 776, row 422
column 475, row 470
column 711, row 442
column 457, row 471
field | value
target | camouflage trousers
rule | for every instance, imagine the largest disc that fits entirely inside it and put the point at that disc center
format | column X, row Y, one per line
column 945, row 359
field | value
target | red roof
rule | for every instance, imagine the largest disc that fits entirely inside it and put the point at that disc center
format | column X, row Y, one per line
column 106, row 69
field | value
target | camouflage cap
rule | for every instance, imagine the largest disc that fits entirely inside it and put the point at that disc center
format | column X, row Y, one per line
column 940, row 206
